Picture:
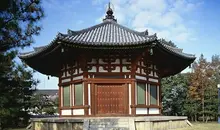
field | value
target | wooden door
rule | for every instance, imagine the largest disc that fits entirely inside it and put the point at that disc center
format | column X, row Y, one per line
column 111, row 99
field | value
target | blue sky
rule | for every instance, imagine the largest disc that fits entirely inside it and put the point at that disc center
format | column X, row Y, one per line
column 193, row 25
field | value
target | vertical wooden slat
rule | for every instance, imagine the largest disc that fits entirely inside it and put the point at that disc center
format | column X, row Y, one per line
column 86, row 110
column 160, row 97
column 95, row 99
column 60, row 100
column 133, row 110
column 92, row 99
column 127, row 98
column 71, row 98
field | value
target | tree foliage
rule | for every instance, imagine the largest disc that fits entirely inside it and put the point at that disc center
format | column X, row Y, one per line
column 174, row 90
column 202, row 87
column 194, row 94
column 19, row 22
column 16, row 87
column 43, row 105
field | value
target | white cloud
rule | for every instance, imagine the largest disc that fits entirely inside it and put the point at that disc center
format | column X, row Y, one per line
column 164, row 17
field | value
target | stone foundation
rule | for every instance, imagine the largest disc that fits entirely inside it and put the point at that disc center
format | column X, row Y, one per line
column 110, row 123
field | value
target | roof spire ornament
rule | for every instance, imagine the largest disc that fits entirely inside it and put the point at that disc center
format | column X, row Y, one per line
column 109, row 14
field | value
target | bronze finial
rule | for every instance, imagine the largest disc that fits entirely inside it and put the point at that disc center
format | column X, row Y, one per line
column 109, row 14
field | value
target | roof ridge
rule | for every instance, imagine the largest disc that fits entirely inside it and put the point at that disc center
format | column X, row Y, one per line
column 86, row 29
column 143, row 34
column 128, row 29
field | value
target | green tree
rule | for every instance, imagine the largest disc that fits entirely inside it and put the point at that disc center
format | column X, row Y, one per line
column 43, row 105
column 200, row 82
column 19, row 22
column 174, row 92
column 16, row 87
column 211, row 92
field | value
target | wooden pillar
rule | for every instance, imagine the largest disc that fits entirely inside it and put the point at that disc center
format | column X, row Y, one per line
column 86, row 110
column 160, row 96
column 83, row 65
column 133, row 109
column 126, row 91
column 92, row 99
column 59, row 99
column 134, row 62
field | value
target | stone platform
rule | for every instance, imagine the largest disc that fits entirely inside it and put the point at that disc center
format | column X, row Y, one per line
column 111, row 123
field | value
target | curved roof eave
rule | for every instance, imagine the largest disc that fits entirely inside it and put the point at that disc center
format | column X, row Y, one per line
column 163, row 46
column 175, row 51
column 41, row 49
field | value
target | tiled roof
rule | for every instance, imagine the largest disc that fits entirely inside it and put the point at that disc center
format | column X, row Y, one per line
column 49, row 92
column 107, row 33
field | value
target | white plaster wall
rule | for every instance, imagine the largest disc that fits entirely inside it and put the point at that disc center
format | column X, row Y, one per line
column 66, row 80
column 67, row 73
column 75, row 72
column 117, row 61
column 78, row 77
column 117, row 69
column 124, row 61
column 138, row 70
column 93, row 69
column 93, row 61
column 124, row 69
column 65, row 112
column 101, row 69
column 143, row 71
column 80, row 71
column 151, row 73
column 101, row 61
column 140, row 77
column 155, row 74
column 78, row 112
column 141, row 111
column 153, row 80
column 154, row 111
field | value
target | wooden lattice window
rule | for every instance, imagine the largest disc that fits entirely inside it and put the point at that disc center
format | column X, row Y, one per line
column 153, row 94
column 141, row 93
column 78, row 94
column 66, row 96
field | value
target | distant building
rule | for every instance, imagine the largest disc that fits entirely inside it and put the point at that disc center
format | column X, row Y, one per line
column 50, row 93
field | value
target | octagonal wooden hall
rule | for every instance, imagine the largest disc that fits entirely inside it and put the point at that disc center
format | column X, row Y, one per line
column 108, row 69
